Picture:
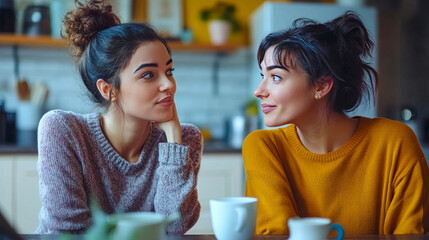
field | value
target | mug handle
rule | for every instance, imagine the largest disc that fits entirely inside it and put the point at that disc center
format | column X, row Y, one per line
column 241, row 218
column 337, row 227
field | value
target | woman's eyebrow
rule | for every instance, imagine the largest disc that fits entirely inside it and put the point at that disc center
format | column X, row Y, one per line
column 275, row 66
column 151, row 65
column 146, row 65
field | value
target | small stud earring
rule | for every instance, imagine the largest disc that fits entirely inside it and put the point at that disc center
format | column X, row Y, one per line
column 317, row 96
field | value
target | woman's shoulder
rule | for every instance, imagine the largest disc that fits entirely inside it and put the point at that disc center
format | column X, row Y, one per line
column 60, row 129
column 63, row 120
column 267, row 139
column 260, row 133
column 269, row 133
column 381, row 121
column 385, row 126
column 399, row 140
column 394, row 133
column 60, row 116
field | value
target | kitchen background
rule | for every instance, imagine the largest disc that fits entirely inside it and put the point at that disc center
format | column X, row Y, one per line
column 199, row 99
column 214, row 87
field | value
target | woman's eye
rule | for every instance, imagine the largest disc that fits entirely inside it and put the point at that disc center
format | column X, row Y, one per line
column 170, row 72
column 262, row 75
column 147, row 75
column 276, row 78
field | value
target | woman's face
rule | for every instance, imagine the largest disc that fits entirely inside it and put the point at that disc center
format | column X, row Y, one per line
column 147, row 84
column 286, row 95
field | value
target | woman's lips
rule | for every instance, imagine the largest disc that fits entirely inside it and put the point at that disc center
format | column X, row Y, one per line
column 167, row 101
column 267, row 108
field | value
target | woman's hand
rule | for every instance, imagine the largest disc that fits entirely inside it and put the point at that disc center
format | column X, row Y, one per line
column 172, row 128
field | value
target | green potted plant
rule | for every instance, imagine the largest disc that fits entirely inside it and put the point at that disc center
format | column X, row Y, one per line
column 221, row 19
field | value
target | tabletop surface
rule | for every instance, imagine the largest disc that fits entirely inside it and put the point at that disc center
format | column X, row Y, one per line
column 256, row 237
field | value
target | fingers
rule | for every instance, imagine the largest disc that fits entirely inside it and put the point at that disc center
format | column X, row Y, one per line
column 175, row 115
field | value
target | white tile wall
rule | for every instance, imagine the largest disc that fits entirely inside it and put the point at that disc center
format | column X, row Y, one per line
column 196, row 99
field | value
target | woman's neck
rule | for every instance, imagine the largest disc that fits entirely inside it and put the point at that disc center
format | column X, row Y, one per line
column 126, row 134
column 328, row 134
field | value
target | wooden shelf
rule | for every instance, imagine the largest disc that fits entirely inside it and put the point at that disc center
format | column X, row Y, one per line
column 48, row 41
column 179, row 46
column 34, row 41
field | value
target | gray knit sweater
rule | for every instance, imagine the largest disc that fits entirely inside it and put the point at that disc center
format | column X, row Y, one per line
column 77, row 162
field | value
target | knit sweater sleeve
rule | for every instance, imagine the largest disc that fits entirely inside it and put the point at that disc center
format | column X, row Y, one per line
column 268, row 182
column 64, row 202
column 408, row 203
column 177, row 172
column 408, row 211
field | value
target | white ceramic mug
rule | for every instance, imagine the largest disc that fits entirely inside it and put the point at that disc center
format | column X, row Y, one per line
column 312, row 228
column 28, row 116
column 233, row 218
column 141, row 226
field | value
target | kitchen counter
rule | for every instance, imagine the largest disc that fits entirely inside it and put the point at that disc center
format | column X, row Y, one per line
column 26, row 143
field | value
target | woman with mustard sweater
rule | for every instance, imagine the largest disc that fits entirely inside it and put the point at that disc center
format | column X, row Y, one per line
column 369, row 175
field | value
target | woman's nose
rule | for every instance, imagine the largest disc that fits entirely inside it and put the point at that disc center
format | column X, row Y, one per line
column 261, row 91
column 167, row 84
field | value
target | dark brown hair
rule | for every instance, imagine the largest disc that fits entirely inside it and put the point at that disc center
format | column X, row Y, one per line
column 335, row 49
column 102, row 45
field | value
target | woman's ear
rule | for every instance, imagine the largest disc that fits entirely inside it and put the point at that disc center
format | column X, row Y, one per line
column 323, row 87
column 106, row 90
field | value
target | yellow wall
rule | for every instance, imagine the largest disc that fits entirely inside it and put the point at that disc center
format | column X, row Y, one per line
column 192, row 8
column 139, row 10
column 244, row 9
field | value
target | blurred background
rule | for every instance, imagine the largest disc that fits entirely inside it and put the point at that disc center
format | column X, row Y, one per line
column 214, row 79
column 214, row 47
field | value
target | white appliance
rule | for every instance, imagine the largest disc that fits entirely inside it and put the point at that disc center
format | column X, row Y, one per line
column 276, row 16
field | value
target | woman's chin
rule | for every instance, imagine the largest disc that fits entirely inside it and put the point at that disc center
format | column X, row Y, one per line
column 270, row 123
column 164, row 117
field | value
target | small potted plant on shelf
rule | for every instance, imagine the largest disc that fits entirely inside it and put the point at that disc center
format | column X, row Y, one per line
column 221, row 20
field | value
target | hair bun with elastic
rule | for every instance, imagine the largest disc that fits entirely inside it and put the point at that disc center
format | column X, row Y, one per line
column 353, row 36
column 82, row 24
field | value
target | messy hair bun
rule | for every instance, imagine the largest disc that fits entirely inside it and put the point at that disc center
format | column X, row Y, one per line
column 352, row 35
column 83, row 23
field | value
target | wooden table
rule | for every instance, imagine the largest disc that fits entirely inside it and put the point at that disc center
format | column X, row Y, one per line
column 257, row 237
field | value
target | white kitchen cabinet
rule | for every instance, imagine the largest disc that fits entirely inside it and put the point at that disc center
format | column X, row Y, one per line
column 221, row 175
column 27, row 194
column 19, row 186
column 6, row 190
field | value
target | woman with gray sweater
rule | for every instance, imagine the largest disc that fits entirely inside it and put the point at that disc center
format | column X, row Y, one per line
column 135, row 156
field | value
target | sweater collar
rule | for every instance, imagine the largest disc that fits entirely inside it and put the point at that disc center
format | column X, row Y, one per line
column 110, row 154
column 349, row 146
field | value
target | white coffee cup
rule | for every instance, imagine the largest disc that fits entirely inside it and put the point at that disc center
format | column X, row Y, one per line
column 233, row 218
column 141, row 226
column 28, row 116
column 312, row 228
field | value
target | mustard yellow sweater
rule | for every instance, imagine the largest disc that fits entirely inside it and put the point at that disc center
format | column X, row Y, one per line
column 377, row 183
